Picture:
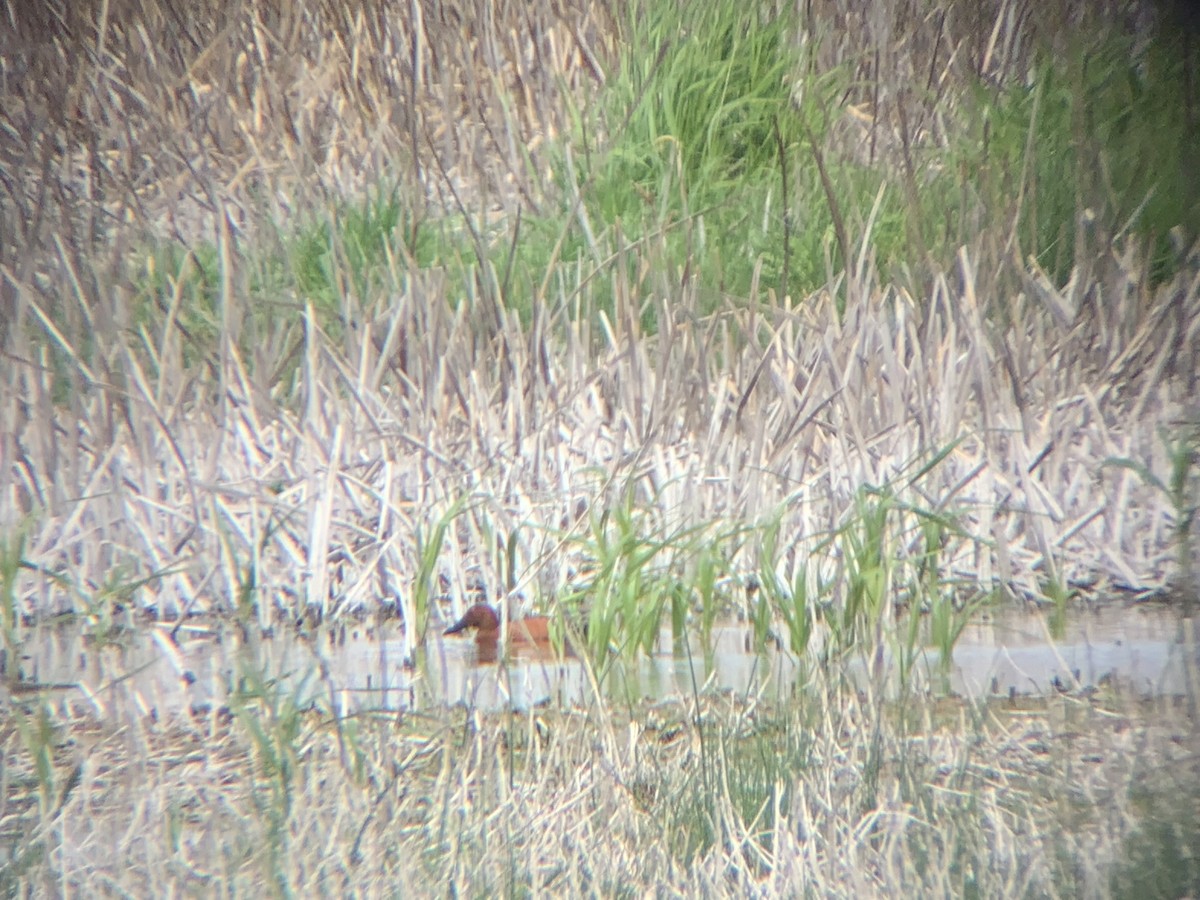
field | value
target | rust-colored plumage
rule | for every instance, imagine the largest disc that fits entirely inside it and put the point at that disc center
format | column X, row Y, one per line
column 486, row 622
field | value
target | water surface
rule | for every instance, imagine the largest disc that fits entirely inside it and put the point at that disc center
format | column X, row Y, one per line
column 351, row 668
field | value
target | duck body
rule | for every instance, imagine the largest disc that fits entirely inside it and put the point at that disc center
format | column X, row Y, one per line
column 486, row 622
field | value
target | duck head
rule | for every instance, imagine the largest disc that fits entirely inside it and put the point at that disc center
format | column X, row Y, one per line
column 480, row 616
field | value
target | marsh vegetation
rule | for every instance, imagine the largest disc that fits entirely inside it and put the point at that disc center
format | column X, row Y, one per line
column 840, row 320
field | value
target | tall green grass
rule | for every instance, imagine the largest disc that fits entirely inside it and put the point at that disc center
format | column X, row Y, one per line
column 719, row 151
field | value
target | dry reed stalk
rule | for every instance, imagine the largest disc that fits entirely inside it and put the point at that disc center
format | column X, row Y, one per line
column 576, row 802
column 871, row 404
column 725, row 417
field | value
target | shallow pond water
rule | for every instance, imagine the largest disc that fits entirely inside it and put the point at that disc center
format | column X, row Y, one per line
column 1149, row 651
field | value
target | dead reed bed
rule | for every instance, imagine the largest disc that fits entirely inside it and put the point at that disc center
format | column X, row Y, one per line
column 307, row 459
column 326, row 495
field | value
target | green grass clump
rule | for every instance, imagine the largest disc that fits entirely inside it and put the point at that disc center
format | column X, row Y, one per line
column 709, row 81
column 718, row 152
column 1162, row 857
column 1095, row 135
column 882, row 574
column 748, row 770
column 638, row 576
column 699, row 130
